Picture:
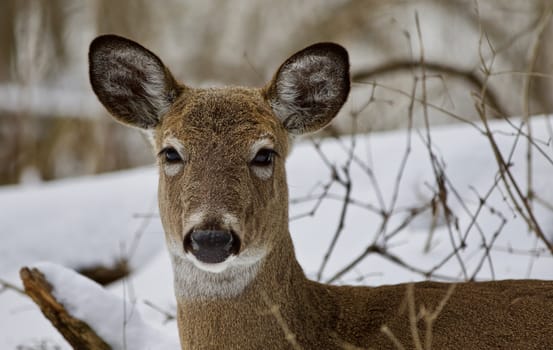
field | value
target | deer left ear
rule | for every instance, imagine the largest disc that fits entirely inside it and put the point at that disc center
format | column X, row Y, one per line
column 309, row 88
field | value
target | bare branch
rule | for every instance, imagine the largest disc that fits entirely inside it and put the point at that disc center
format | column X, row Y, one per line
column 468, row 75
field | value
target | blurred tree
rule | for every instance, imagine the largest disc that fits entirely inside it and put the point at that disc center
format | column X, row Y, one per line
column 132, row 19
column 43, row 46
column 6, row 38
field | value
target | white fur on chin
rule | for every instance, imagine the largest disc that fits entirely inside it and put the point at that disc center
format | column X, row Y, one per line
column 195, row 280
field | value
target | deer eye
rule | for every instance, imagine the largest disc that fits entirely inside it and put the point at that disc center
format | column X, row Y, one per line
column 171, row 155
column 264, row 157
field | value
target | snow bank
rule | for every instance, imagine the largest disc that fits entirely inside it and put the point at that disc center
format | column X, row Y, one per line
column 114, row 319
column 83, row 222
column 86, row 221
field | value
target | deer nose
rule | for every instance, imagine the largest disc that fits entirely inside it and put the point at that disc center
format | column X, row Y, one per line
column 212, row 246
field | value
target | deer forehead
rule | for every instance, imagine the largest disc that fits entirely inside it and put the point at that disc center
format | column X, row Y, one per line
column 236, row 120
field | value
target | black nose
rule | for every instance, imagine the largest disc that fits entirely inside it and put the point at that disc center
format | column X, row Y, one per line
column 212, row 246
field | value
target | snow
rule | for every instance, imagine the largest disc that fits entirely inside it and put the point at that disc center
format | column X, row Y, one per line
column 93, row 220
column 81, row 222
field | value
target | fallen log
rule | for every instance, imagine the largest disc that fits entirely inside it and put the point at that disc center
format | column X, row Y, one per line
column 76, row 332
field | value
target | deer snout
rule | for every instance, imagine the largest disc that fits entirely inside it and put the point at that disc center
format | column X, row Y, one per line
column 212, row 246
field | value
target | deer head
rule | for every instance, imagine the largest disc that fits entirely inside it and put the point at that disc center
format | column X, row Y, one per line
column 223, row 197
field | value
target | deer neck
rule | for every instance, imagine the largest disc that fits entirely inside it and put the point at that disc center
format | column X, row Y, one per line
column 279, row 299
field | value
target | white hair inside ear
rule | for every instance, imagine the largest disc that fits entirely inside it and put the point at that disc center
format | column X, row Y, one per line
column 310, row 87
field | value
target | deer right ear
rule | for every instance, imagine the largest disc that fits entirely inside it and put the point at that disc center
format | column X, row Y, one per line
column 309, row 88
column 130, row 81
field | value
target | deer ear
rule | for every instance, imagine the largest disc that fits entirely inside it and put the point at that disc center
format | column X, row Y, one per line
column 130, row 81
column 309, row 88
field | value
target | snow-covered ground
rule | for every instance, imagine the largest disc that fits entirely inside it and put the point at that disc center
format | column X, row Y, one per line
column 95, row 220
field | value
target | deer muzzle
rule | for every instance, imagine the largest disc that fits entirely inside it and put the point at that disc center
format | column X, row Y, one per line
column 212, row 246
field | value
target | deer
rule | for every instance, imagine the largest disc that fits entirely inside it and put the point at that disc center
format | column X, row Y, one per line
column 223, row 204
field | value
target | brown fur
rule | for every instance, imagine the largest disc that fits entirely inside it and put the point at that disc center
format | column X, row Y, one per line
column 217, row 128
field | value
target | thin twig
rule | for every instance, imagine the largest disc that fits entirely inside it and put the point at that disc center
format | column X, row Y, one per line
column 526, row 101
column 168, row 315
column 275, row 311
column 413, row 319
column 341, row 223
column 438, row 172
column 9, row 286
column 384, row 329
column 430, row 317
